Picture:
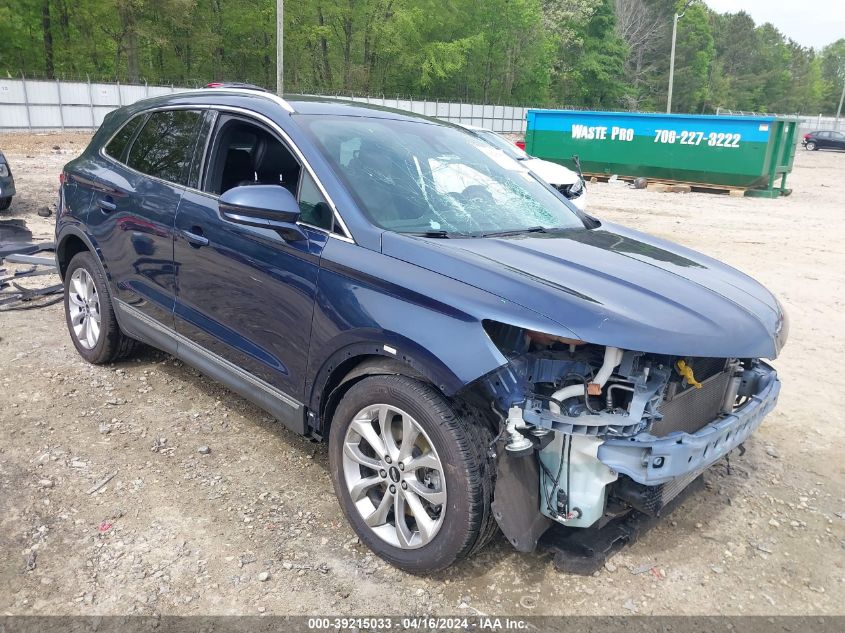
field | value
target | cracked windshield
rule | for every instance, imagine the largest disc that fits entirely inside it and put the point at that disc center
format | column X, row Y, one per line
column 412, row 177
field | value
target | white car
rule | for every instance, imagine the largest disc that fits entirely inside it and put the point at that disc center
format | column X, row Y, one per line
column 564, row 180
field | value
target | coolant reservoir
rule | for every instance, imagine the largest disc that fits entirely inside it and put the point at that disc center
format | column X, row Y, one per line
column 588, row 478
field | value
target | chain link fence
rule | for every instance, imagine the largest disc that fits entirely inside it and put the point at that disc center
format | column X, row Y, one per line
column 808, row 123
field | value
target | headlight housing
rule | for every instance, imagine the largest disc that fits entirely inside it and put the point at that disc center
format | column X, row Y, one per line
column 4, row 170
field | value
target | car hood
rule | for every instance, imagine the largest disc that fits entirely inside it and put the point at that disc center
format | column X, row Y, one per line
column 552, row 173
column 614, row 286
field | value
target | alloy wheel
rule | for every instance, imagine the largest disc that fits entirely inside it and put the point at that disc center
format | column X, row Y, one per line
column 394, row 476
column 84, row 308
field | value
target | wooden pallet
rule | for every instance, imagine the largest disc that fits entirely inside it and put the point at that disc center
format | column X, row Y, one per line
column 674, row 186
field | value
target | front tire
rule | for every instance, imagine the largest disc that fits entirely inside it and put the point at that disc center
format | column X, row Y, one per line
column 89, row 313
column 413, row 478
column 5, row 203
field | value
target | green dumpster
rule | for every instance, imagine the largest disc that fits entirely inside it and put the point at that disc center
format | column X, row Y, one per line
column 754, row 153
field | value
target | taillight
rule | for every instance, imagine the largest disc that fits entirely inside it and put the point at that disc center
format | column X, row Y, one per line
column 213, row 84
column 521, row 145
column 806, row 136
column 61, row 178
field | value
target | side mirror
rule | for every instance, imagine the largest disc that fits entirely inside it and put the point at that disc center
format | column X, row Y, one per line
column 266, row 206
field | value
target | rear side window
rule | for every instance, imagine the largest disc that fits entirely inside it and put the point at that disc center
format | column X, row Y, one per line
column 117, row 146
column 165, row 145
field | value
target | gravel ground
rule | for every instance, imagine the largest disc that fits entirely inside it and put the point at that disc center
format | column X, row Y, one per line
column 251, row 526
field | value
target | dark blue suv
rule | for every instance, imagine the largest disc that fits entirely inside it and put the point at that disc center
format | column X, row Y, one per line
column 477, row 352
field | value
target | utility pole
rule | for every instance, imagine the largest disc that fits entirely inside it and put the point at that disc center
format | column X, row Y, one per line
column 678, row 16
column 280, row 46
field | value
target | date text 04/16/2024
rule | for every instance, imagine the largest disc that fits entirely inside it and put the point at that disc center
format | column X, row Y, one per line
column 484, row 623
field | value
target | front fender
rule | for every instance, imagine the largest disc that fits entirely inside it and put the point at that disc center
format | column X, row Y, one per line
column 411, row 360
column 369, row 303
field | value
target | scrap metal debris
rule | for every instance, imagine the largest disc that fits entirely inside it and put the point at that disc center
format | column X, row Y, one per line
column 17, row 247
column 15, row 237
column 20, row 258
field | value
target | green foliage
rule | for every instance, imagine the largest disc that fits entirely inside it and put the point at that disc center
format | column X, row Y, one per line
column 606, row 54
column 695, row 53
column 594, row 73
column 833, row 75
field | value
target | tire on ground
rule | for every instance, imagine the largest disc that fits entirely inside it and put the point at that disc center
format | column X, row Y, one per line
column 462, row 445
column 112, row 344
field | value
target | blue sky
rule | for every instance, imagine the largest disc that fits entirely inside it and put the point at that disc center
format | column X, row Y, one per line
column 809, row 22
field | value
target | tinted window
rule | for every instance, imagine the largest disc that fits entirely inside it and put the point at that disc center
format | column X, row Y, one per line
column 117, row 146
column 204, row 132
column 165, row 145
column 313, row 206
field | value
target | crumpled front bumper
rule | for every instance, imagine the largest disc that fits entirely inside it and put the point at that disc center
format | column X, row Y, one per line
column 653, row 460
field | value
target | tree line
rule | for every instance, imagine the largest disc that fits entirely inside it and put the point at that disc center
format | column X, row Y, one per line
column 605, row 54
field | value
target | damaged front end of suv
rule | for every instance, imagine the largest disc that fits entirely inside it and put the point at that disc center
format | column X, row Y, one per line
column 591, row 433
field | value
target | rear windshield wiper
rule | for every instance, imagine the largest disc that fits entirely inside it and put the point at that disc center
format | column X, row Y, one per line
column 530, row 229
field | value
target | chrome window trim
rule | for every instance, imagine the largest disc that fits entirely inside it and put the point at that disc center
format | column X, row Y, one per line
column 346, row 237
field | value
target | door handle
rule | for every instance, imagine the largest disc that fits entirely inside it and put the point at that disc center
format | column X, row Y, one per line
column 107, row 204
column 195, row 237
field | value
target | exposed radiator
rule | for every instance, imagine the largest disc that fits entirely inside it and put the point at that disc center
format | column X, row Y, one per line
column 693, row 408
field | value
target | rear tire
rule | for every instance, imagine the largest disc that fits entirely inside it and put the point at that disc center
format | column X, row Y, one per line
column 89, row 313
column 811, row 146
column 443, row 503
column 5, row 203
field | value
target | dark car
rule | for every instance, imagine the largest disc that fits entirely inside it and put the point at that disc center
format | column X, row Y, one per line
column 7, row 184
column 475, row 354
column 825, row 139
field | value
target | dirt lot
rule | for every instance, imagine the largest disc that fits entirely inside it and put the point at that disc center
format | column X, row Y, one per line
column 180, row 532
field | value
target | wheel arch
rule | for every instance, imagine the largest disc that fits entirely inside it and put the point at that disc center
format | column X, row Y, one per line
column 353, row 363
column 72, row 242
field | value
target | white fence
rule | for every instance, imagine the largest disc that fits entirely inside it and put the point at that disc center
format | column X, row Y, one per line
column 28, row 104
column 507, row 119
column 812, row 123
column 37, row 105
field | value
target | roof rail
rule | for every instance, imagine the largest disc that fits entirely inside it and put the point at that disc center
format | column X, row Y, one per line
column 253, row 93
